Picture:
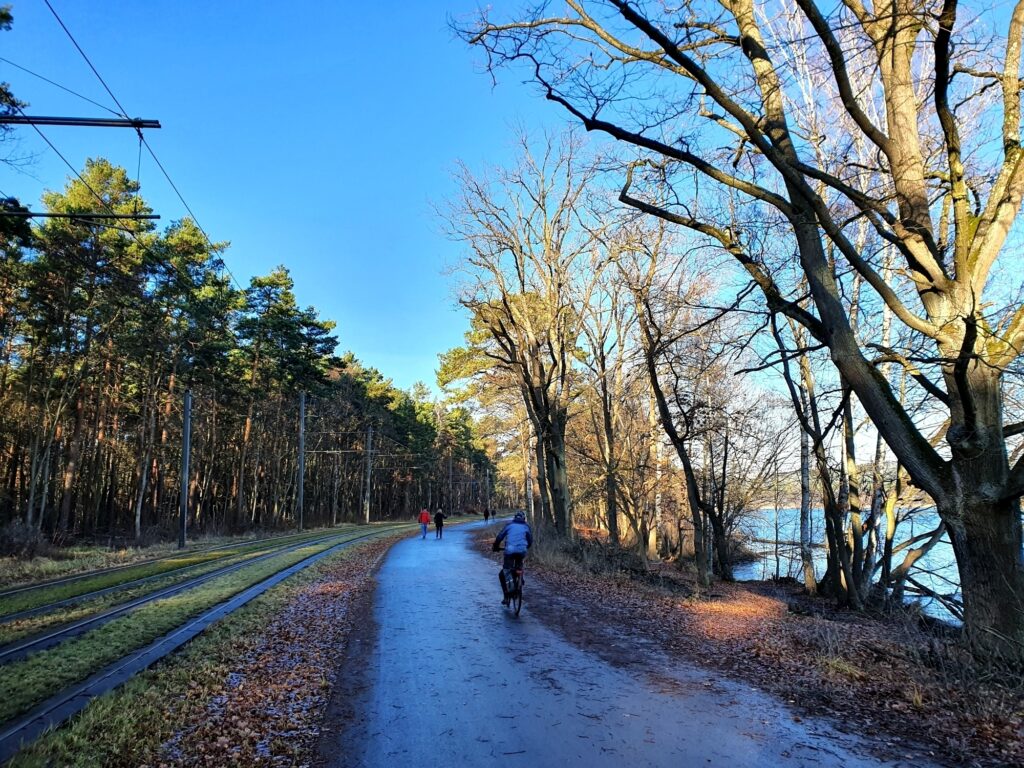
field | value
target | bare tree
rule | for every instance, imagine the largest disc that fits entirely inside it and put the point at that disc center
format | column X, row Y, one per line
column 532, row 260
column 700, row 91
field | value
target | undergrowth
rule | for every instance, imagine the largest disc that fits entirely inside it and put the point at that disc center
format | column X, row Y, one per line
column 598, row 558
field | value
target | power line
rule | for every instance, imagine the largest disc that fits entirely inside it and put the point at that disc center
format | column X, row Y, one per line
column 142, row 139
column 67, row 162
column 58, row 85
column 184, row 279
column 188, row 208
column 87, row 61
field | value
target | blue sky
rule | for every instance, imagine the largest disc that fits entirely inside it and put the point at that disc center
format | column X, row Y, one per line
column 316, row 135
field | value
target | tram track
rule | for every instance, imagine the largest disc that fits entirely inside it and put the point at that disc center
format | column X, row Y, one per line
column 53, row 636
column 99, row 573
column 54, row 710
column 231, row 554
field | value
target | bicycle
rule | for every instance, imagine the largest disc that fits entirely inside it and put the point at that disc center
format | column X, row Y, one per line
column 515, row 588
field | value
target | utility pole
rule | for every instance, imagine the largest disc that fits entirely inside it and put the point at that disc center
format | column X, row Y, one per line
column 369, row 465
column 302, row 455
column 186, row 448
column 487, row 489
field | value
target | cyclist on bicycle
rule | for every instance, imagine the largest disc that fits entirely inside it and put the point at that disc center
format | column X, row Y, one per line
column 518, row 538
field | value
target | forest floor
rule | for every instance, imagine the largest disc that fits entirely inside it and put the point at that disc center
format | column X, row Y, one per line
column 888, row 678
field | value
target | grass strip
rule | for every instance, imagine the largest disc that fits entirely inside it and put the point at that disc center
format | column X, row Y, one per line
column 16, row 572
column 127, row 727
column 32, row 625
column 25, row 683
column 39, row 597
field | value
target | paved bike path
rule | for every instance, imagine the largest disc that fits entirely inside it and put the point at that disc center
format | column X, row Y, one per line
column 444, row 676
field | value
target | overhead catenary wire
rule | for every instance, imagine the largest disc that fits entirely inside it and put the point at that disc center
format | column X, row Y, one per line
column 188, row 208
column 62, row 87
column 142, row 140
column 169, row 267
column 87, row 60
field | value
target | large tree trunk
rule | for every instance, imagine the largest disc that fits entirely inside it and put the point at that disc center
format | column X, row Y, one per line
column 986, row 538
column 558, row 477
column 806, row 555
column 985, row 531
column 543, row 489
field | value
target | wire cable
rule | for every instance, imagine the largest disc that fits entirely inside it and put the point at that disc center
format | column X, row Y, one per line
column 58, row 85
column 142, row 138
column 99, row 77
column 142, row 141
column 184, row 278
column 188, row 208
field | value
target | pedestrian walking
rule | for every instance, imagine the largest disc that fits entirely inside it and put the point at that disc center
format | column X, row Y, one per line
column 424, row 521
column 439, row 524
column 487, row 515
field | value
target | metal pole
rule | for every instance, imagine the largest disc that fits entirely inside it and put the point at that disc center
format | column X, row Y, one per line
column 186, row 449
column 369, row 464
column 79, row 122
column 487, row 488
column 302, row 455
column 84, row 216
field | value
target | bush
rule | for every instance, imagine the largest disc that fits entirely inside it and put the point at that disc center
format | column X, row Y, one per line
column 21, row 541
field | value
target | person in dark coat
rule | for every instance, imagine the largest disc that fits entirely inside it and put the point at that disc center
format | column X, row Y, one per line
column 439, row 517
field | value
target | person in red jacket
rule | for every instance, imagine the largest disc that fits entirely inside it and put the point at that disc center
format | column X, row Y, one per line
column 424, row 521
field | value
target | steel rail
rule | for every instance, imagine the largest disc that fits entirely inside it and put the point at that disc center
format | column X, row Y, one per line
column 49, row 638
column 243, row 548
column 115, row 568
column 17, row 733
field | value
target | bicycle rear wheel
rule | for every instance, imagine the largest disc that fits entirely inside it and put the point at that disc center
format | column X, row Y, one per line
column 517, row 595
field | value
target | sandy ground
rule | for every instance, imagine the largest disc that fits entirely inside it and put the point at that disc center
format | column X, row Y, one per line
column 440, row 674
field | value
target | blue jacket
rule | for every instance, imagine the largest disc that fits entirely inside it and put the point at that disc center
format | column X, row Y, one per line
column 519, row 538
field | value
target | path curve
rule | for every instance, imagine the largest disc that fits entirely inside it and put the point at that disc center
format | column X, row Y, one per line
column 444, row 676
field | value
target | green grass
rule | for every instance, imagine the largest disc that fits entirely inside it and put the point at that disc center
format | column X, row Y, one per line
column 126, row 727
column 44, row 595
column 32, row 625
column 68, row 561
column 28, row 682
column 75, row 559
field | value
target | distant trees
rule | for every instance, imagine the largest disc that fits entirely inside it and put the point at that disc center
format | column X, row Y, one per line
column 711, row 100
column 532, row 262
column 564, row 324
column 103, row 328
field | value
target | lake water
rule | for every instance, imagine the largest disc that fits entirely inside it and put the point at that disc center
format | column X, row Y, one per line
column 936, row 570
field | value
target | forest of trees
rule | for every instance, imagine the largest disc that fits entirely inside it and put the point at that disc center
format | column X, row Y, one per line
column 791, row 275
column 103, row 328
column 827, row 193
